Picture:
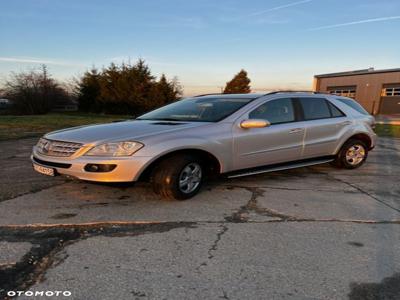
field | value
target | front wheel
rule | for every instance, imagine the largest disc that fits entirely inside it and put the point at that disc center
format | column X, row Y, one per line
column 178, row 177
column 352, row 155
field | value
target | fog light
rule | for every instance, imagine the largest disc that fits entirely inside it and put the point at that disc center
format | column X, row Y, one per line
column 99, row 168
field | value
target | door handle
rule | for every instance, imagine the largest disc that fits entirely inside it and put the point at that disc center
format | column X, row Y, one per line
column 295, row 130
column 345, row 123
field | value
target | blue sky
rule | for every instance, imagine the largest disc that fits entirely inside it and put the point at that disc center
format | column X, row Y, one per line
column 281, row 43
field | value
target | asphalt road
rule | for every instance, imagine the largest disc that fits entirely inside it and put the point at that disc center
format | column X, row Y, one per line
column 310, row 233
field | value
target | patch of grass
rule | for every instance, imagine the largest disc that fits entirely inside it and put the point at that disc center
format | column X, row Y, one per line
column 388, row 130
column 16, row 127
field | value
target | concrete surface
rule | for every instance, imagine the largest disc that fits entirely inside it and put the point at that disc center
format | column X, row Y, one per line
column 16, row 175
column 248, row 261
column 11, row 253
column 310, row 233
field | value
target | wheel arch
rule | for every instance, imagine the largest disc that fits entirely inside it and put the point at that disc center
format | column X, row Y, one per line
column 358, row 136
column 212, row 163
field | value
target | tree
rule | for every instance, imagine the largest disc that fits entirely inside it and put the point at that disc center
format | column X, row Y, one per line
column 34, row 92
column 165, row 91
column 88, row 91
column 126, row 88
column 240, row 84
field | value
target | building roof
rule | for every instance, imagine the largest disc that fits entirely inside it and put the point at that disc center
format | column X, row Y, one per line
column 357, row 72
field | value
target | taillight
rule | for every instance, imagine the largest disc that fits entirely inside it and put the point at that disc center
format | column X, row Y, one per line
column 372, row 124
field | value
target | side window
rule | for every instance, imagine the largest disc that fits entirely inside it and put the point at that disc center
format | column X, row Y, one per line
column 275, row 111
column 336, row 112
column 353, row 104
column 315, row 108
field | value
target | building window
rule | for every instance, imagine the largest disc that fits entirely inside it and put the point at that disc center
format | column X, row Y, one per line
column 392, row 91
column 346, row 91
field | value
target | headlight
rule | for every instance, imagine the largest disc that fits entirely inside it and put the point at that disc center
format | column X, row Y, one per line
column 41, row 143
column 115, row 149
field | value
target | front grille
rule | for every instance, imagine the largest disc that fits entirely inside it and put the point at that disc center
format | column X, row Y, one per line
column 57, row 148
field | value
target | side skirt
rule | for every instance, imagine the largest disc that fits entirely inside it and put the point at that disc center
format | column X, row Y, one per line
column 280, row 167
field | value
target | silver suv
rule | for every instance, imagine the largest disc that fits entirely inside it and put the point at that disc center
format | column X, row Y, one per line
column 177, row 146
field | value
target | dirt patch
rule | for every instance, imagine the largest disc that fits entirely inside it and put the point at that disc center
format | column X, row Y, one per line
column 63, row 216
column 387, row 289
column 356, row 244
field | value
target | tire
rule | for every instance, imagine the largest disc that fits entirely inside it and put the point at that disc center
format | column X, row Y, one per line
column 170, row 175
column 352, row 155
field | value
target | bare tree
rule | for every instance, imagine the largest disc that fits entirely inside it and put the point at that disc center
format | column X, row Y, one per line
column 33, row 92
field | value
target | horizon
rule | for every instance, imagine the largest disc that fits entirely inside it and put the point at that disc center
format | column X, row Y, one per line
column 281, row 44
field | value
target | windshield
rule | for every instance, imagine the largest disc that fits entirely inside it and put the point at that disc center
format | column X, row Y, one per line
column 197, row 109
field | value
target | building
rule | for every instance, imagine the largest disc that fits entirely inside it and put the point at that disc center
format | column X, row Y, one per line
column 378, row 91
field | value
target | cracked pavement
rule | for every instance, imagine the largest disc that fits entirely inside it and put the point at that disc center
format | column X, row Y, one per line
column 310, row 233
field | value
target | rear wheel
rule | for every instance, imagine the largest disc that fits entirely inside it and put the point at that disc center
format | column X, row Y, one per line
column 352, row 154
column 179, row 177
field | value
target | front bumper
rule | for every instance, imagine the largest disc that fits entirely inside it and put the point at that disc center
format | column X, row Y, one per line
column 127, row 169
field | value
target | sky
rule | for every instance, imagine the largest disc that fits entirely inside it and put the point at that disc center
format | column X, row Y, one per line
column 280, row 43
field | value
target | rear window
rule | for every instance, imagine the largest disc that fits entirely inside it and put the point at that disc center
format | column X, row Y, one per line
column 353, row 104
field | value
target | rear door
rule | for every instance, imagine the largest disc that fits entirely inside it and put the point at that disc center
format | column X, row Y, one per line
column 324, row 124
column 282, row 141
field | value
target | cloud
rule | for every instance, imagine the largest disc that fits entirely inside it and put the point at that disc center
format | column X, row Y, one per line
column 276, row 8
column 179, row 22
column 355, row 23
column 258, row 13
column 270, row 21
column 32, row 60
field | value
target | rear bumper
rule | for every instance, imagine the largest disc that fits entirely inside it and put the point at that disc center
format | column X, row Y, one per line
column 127, row 169
column 373, row 141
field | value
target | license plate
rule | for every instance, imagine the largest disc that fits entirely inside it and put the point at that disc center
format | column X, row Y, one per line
column 44, row 170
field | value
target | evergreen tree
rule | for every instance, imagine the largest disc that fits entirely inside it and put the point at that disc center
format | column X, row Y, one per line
column 89, row 91
column 126, row 88
column 170, row 90
column 240, row 84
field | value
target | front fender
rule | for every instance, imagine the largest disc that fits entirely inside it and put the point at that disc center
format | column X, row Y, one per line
column 220, row 150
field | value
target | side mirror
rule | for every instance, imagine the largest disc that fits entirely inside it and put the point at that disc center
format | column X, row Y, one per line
column 254, row 123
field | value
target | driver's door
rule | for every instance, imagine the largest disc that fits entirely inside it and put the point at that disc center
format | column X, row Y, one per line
column 282, row 141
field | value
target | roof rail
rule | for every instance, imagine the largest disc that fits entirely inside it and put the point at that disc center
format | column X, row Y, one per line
column 292, row 91
column 271, row 93
column 210, row 94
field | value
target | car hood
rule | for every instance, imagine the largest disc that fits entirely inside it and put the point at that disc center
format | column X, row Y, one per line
column 118, row 131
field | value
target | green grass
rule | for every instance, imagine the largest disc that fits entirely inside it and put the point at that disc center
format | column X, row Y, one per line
column 16, row 127
column 388, row 130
